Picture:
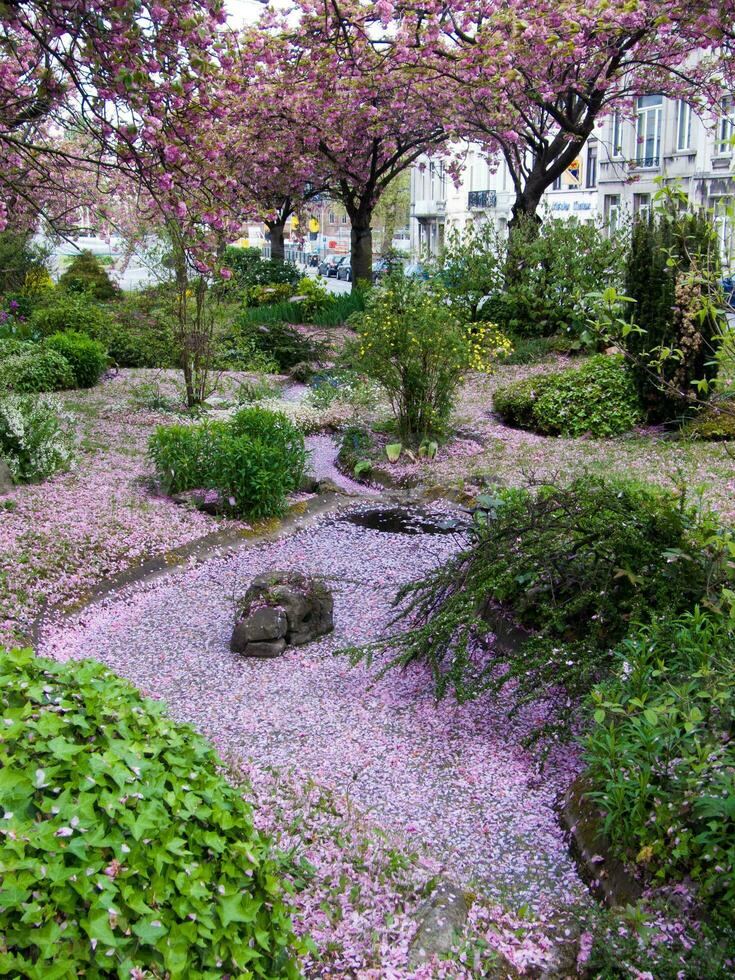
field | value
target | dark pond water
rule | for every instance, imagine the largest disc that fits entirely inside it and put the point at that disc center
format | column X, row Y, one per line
column 404, row 520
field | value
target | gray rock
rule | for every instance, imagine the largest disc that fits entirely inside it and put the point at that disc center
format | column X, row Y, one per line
column 329, row 486
column 266, row 623
column 266, row 649
column 305, row 602
column 6, row 480
column 441, row 925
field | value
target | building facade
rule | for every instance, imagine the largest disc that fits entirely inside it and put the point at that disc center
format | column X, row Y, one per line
column 621, row 168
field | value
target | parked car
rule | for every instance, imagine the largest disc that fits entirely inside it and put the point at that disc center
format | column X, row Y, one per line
column 344, row 270
column 329, row 265
column 414, row 270
column 383, row 268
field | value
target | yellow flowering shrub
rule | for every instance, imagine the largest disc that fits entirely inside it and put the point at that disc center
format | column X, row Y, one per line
column 412, row 344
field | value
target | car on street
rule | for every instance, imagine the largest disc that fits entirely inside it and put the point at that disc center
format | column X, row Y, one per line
column 383, row 267
column 329, row 265
column 344, row 270
column 414, row 270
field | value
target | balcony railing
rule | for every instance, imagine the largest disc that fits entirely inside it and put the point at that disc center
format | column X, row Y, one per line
column 480, row 200
column 429, row 208
column 646, row 163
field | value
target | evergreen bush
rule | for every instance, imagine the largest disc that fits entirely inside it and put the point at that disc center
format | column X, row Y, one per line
column 672, row 273
column 86, row 275
column 35, row 371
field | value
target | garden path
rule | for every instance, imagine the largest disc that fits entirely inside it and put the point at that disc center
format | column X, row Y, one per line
column 453, row 777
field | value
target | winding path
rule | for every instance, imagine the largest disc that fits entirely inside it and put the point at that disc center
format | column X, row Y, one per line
column 452, row 776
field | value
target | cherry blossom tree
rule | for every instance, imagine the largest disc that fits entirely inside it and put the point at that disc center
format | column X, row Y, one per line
column 532, row 82
column 355, row 107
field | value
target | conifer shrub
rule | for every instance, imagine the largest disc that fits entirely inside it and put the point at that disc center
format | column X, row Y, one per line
column 564, row 571
column 123, row 849
column 672, row 275
column 87, row 275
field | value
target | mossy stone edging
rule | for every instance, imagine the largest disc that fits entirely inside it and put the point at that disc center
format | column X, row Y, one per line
column 606, row 875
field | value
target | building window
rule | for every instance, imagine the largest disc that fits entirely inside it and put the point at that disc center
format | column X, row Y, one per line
column 612, row 212
column 556, row 186
column 591, row 175
column 726, row 127
column 683, row 125
column 332, row 218
column 344, row 219
column 641, row 205
column 616, row 135
column 648, row 130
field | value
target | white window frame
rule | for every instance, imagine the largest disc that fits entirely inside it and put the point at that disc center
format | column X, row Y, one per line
column 613, row 206
column 725, row 128
column 616, row 135
column 683, row 125
column 648, row 129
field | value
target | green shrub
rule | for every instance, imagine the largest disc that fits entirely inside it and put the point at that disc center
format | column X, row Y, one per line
column 598, row 398
column 35, row 371
column 9, row 347
column 714, row 422
column 279, row 343
column 62, row 311
column 672, row 274
column 411, row 344
column 312, row 298
column 573, row 566
column 141, row 332
column 264, row 295
column 253, row 461
column 356, row 445
column 341, row 309
column 88, row 358
column 249, row 268
column 86, row 275
column 530, row 350
column 515, row 402
column 123, row 847
column 549, row 274
column 36, row 438
column 660, row 756
column 21, row 261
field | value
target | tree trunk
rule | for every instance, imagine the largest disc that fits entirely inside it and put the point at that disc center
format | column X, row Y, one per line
column 278, row 247
column 361, row 250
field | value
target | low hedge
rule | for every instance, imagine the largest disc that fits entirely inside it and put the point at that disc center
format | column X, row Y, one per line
column 88, row 358
column 598, row 398
column 713, row 423
column 122, row 847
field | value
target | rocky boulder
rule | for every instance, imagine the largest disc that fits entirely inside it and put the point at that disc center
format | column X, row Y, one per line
column 281, row 609
column 6, row 479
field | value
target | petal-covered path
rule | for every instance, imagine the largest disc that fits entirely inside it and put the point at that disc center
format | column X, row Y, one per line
column 454, row 777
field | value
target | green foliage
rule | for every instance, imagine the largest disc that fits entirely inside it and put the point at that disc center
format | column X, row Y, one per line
column 530, row 350
column 61, row 311
column 21, row 261
column 549, row 273
column 471, row 267
column 10, row 347
column 713, row 422
column 660, row 755
column 572, row 566
column 413, row 346
column 249, row 269
column 672, row 275
column 86, row 275
column 342, row 307
column 141, row 331
column 36, row 370
column 88, row 358
column 277, row 343
column 253, row 461
column 123, row 846
column 36, row 438
column 598, row 398
column 356, row 445
column 312, row 298
column 344, row 386
column 264, row 295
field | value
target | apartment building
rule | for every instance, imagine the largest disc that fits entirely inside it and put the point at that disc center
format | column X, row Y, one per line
column 618, row 173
